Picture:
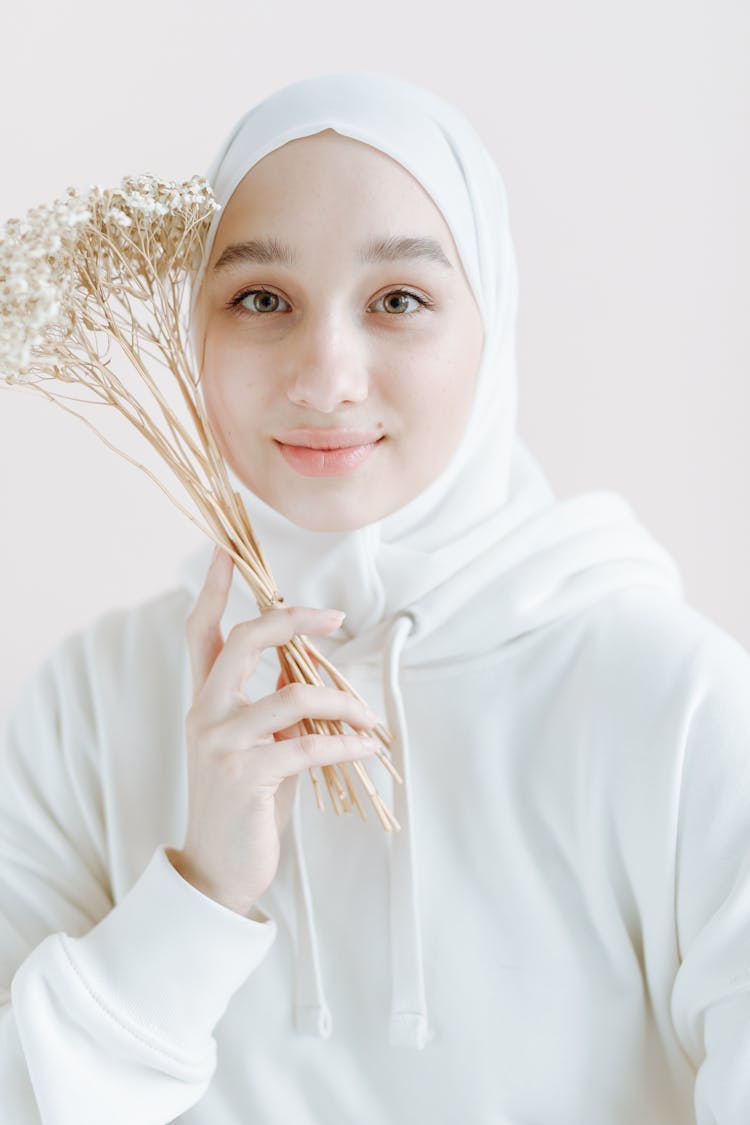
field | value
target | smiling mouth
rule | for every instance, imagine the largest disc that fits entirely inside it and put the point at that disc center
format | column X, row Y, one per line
column 316, row 437
column 333, row 460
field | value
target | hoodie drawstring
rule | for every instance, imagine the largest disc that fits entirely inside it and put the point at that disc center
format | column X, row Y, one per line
column 409, row 1025
column 312, row 1016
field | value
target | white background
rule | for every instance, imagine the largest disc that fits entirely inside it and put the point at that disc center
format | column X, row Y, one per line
column 621, row 132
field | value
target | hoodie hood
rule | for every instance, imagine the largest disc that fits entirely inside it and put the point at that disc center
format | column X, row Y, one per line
column 485, row 554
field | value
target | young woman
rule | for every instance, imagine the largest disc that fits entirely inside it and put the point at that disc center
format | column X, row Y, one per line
column 559, row 932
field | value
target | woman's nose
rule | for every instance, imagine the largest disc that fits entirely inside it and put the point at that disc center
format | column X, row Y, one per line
column 327, row 368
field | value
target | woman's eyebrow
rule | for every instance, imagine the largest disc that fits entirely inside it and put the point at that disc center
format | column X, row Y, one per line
column 267, row 250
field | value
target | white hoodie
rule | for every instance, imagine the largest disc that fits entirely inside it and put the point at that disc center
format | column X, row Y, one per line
column 560, row 931
column 577, row 938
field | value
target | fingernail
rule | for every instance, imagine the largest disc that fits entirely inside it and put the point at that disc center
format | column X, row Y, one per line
column 336, row 615
column 371, row 716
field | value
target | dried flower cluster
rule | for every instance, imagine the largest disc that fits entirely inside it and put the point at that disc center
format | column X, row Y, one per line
column 111, row 267
column 63, row 261
column 36, row 282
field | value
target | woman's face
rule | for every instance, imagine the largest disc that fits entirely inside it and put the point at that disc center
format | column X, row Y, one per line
column 322, row 330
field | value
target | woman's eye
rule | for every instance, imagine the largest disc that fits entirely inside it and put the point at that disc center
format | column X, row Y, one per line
column 395, row 302
column 257, row 301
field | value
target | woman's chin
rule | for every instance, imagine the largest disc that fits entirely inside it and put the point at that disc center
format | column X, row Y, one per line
column 329, row 517
column 332, row 512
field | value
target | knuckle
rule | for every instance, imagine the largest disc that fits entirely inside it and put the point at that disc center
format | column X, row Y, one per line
column 293, row 693
column 313, row 745
column 197, row 625
column 282, row 618
column 294, row 615
column 243, row 629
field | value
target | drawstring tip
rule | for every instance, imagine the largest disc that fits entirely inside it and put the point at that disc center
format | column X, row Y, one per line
column 410, row 1029
column 313, row 1019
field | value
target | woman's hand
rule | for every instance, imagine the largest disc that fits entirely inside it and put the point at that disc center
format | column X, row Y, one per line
column 244, row 756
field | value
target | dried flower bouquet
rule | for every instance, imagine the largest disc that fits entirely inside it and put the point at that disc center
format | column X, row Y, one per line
column 111, row 267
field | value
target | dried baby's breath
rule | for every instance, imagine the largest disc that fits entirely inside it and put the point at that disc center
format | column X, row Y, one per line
column 111, row 267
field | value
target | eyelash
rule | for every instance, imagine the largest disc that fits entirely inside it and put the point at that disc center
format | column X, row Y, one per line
column 235, row 305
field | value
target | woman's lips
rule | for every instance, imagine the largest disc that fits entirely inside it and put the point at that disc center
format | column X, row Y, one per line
column 326, row 462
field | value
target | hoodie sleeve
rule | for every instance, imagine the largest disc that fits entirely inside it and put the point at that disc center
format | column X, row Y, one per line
column 710, row 1002
column 106, row 1011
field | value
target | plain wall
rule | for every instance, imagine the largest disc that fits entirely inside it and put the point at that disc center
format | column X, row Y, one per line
column 621, row 132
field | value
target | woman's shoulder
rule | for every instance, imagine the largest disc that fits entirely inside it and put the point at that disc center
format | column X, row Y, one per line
column 125, row 665
column 646, row 644
column 140, row 643
column 655, row 626
column 154, row 624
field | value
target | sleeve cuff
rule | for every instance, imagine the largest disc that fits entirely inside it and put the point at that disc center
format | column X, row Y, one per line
column 169, row 957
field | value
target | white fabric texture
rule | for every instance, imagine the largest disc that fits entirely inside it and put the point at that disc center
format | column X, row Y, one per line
column 559, row 931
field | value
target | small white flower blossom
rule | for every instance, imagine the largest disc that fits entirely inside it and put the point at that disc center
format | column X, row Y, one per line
column 88, row 247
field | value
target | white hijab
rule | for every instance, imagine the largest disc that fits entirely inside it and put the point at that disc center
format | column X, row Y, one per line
column 491, row 485
column 486, row 552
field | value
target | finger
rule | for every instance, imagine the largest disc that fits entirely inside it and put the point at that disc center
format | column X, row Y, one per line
column 202, row 628
column 291, row 757
column 203, row 625
column 242, row 650
column 271, row 714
